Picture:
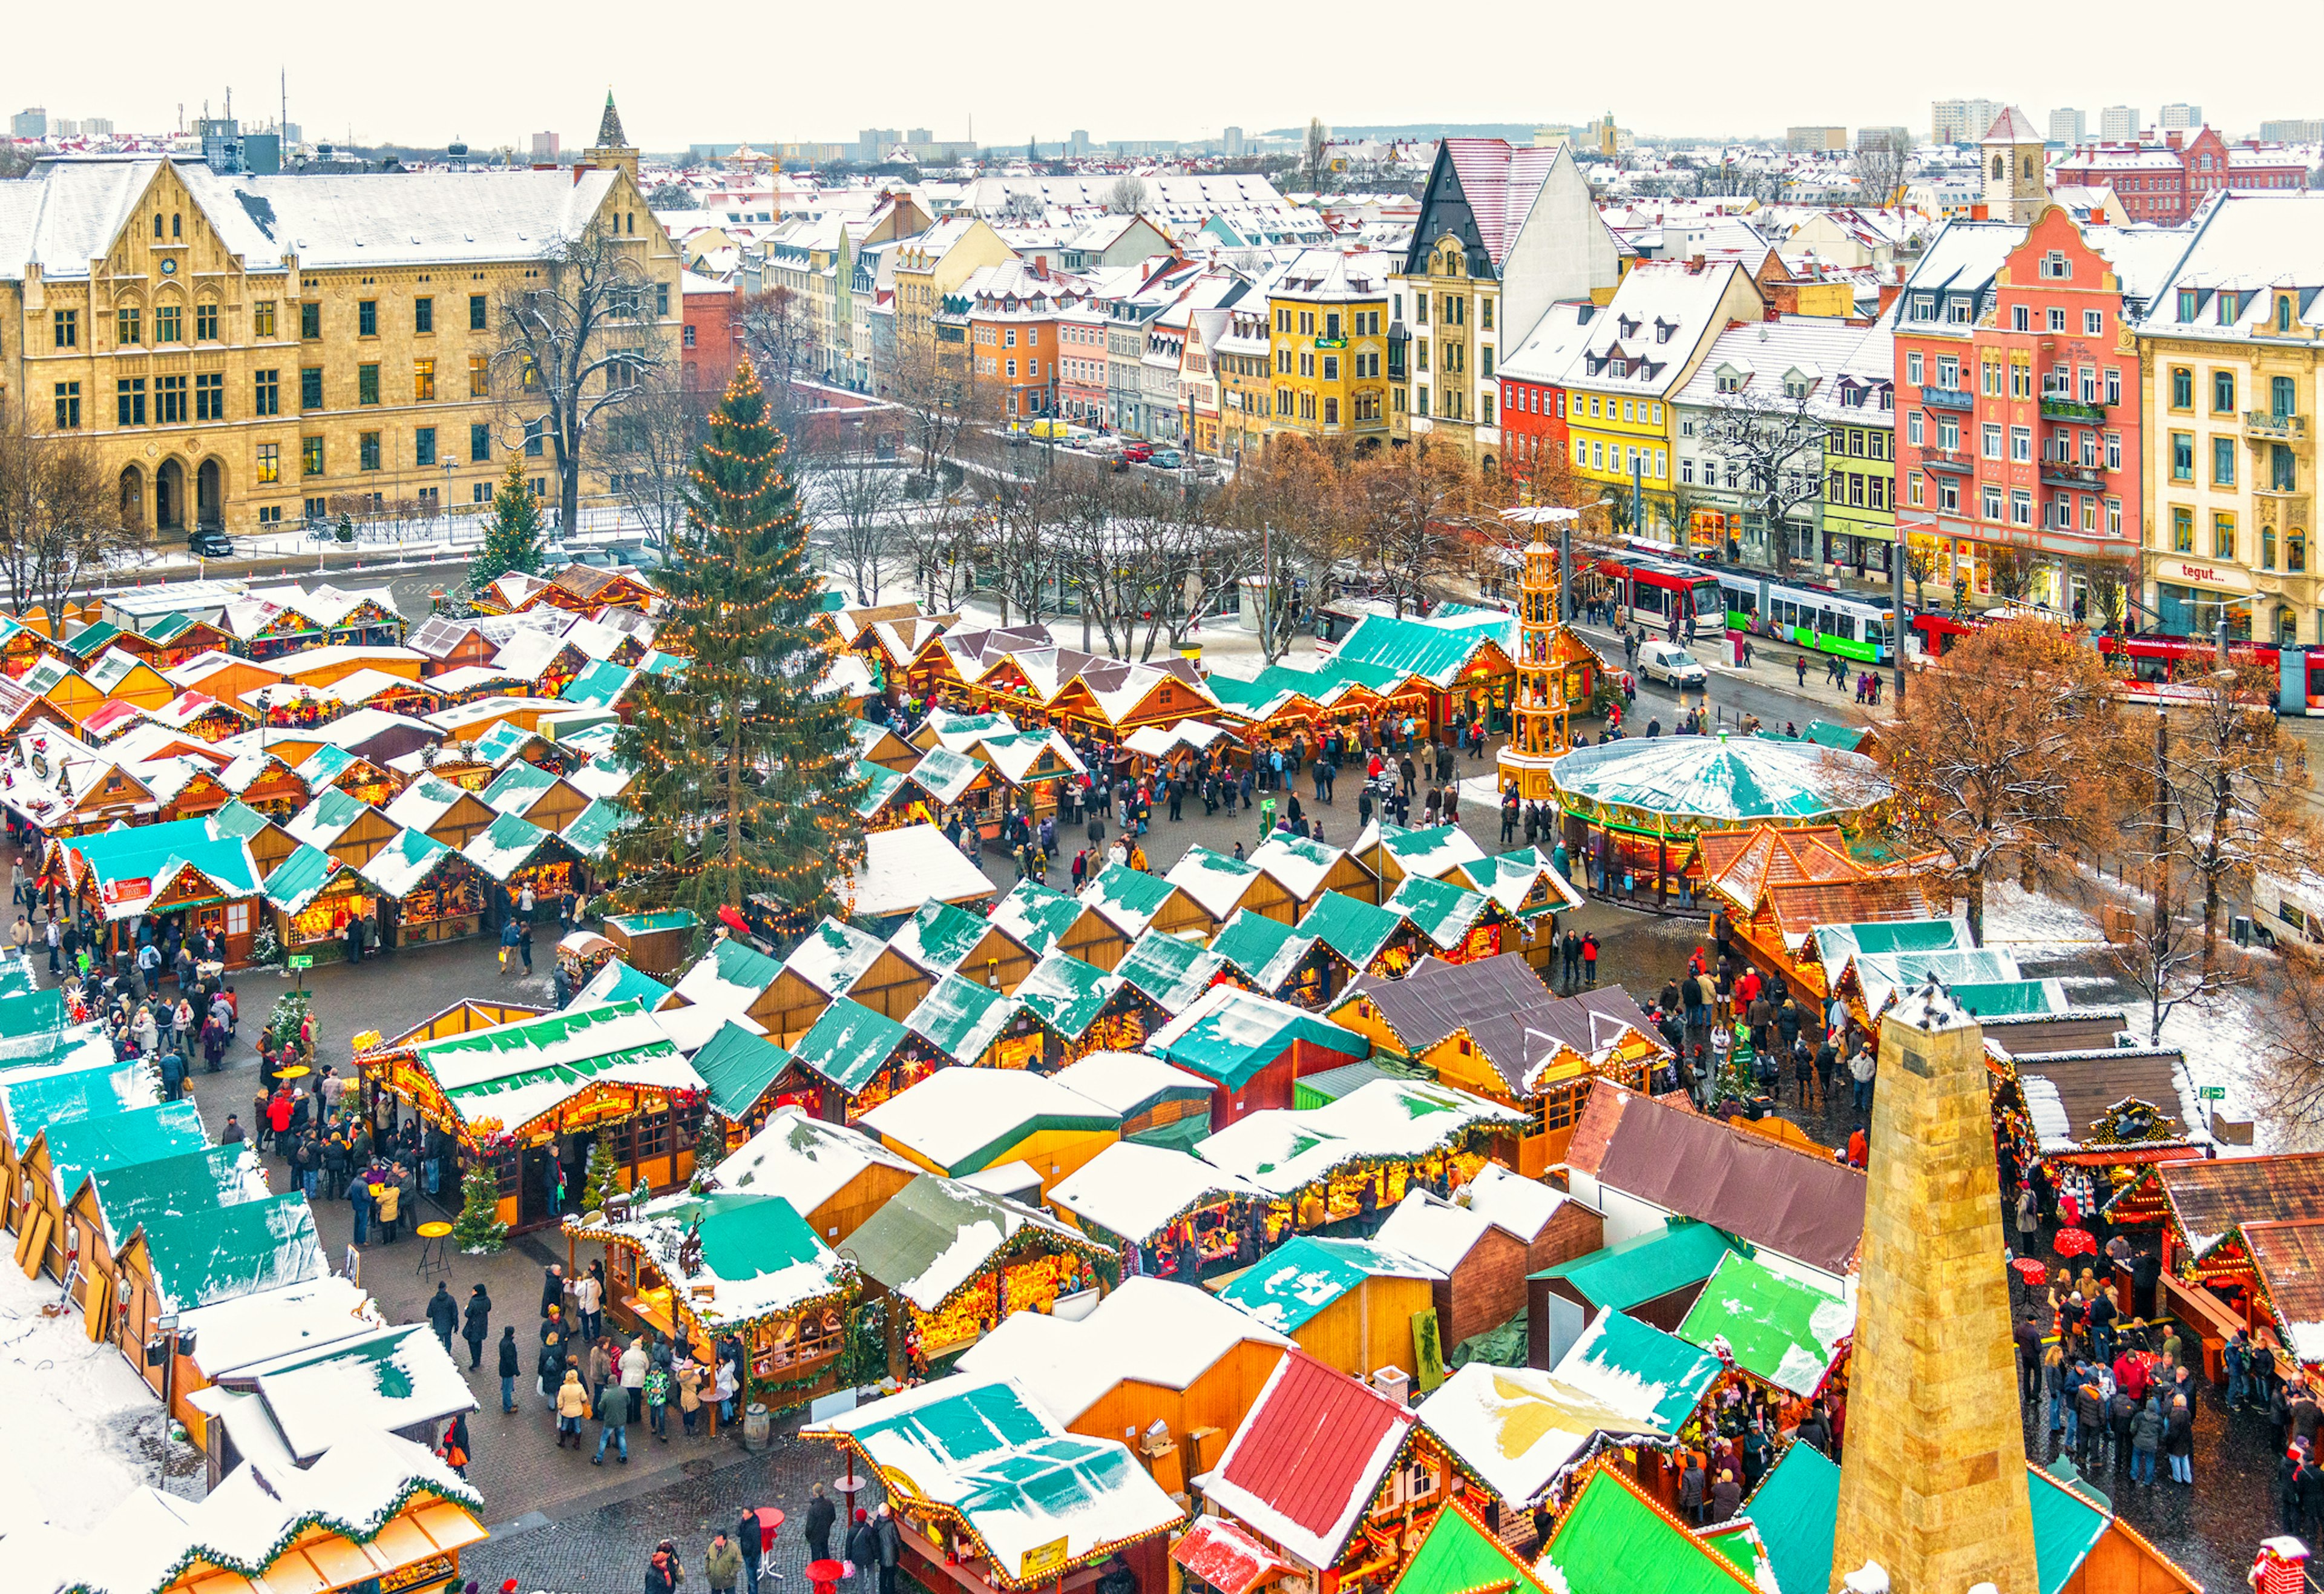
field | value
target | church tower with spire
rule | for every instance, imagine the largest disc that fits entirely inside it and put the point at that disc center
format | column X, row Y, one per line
column 2017, row 169
column 612, row 149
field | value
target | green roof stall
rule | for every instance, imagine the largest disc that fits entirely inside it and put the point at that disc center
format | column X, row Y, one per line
column 1653, row 1276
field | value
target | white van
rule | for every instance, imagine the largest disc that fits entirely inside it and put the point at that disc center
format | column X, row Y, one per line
column 1669, row 663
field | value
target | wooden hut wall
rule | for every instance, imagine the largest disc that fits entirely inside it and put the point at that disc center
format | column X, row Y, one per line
column 1369, row 1328
column 891, row 986
column 1218, row 1400
column 1488, row 1288
column 1095, row 940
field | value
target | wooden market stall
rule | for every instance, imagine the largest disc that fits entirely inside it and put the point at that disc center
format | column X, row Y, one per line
column 515, row 853
column 863, row 1058
column 343, row 825
column 1212, row 888
column 61, row 1157
column 428, row 892
column 534, row 793
column 953, row 1261
column 993, row 1496
column 1182, row 1217
column 960, row 1121
column 1274, row 959
column 534, row 1095
column 749, row 1078
column 441, row 811
column 835, row 1177
column 941, row 940
column 193, row 871
column 1251, row 1050
column 312, row 897
column 652, row 943
column 1491, row 1028
column 698, row 1269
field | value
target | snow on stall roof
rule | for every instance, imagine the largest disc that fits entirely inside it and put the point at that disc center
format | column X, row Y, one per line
column 958, row 1115
column 1329, row 1409
column 902, row 869
column 1125, row 1083
column 689, row 1029
column 832, row 955
column 1512, row 1202
column 1035, row 916
column 759, row 1257
column 1154, row 1330
column 1300, row 1278
column 804, row 1160
column 1016, row 1180
column 1135, row 1189
column 1213, row 880
column 232, row 1335
column 391, row 1378
column 1638, row 1370
column 1285, row 1149
column 514, row 1072
column 729, row 977
column 1296, row 863
column 938, row 936
column 1428, row 1228
column 1518, row 1428
column 399, row 868
column 984, row 1448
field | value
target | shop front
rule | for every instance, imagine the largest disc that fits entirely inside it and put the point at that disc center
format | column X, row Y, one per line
column 312, row 899
column 2194, row 597
column 427, row 892
column 696, row 1269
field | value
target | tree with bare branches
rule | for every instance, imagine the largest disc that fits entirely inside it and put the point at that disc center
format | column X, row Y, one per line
column 780, row 334
column 61, row 515
column 941, row 404
column 1281, row 511
column 2007, row 761
column 942, row 537
column 1397, row 510
column 580, row 334
column 2289, row 1077
column 1775, row 439
column 647, row 454
column 858, row 489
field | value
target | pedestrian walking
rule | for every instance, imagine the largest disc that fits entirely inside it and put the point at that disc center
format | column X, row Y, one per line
column 510, row 1365
column 476, row 1325
column 613, row 1423
column 722, row 1568
column 443, row 1314
column 889, row 1542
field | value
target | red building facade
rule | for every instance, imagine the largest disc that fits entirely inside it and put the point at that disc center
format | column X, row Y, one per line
column 2018, row 436
column 2164, row 183
column 707, row 337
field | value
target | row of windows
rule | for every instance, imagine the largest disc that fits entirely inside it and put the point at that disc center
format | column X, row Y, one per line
column 1359, row 323
column 1289, row 404
column 2021, row 320
column 266, row 393
column 1595, row 455
column 168, row 322
column 1360, row 364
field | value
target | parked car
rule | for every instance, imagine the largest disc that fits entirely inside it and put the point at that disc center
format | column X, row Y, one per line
column 1166, row 459
column 1138, row 453
column 1668, row 663
column 208, row 543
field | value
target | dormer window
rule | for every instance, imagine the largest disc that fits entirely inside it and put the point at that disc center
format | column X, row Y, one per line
column 1731, row 381
column 2056, row 267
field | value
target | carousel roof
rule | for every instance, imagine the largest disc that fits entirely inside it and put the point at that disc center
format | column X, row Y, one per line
column 1718, row 778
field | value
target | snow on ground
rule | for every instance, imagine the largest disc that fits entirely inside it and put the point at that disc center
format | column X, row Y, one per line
column 89, row 1427
column 2033, row 925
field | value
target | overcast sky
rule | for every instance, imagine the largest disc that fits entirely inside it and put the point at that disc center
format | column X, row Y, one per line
column 708, row 73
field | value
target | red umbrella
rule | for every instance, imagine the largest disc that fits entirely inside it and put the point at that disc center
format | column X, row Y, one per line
column 2031, row 1270
column 733, row 920
column 2075, row 1242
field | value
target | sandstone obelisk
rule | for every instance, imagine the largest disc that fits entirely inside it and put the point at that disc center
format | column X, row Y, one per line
column 1932, row 1483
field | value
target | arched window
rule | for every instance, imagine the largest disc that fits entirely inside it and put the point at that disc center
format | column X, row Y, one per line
column 177, row 226
column 157, row 226
column 2283, row 313
column 2029, row 166
column 2295, row 551
column 1999, row 169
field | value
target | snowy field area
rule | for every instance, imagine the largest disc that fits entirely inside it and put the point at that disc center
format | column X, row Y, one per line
column 87, row 1429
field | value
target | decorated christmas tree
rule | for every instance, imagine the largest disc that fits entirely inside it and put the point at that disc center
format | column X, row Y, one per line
column 709, row 1143
column 604, row 1178
column 745, row 782
column 511, row 534
column 477, row 1230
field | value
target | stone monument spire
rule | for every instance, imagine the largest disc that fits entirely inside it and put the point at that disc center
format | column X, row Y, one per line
column 1936, row 1493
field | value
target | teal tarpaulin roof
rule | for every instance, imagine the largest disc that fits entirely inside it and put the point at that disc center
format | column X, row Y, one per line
column 1632, row 1271
column 849, row 1043
column 1730, row 780
column 738, row 1065
column 1639, row 1370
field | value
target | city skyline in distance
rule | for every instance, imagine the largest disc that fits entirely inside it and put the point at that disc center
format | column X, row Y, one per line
column 348, row 75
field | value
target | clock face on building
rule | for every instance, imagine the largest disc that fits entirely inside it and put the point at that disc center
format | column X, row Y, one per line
column 168, row 268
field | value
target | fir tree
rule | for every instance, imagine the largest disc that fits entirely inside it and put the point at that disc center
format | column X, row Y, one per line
column 512, row 533
column 604, row 1178
column 478, row 1230
column 709, row 1143
column 746, row 785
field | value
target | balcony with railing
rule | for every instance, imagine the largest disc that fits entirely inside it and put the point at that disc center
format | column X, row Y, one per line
column 2060, row 405
column 2267, row 426
column 2060, row 472
column 1952, row 461
column 1949, row 398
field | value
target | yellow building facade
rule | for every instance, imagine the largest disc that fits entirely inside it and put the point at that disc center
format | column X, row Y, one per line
column 1328, row 316
column 243, row 350
column 1448, row 386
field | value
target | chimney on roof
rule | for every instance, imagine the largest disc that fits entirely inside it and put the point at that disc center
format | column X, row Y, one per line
column 2175, row 138
column 1694, row 265
column 1980, row 212
column 2098, row 215
column 544, row 166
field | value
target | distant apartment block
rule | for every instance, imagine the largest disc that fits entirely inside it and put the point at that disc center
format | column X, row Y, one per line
column 1802, row 141
column 545, row 147
column 2118, row 122
column 2293, row 130
column 1884, row 138
column 2068, row 125
column 2179, row 118
column 1961, row 121
column 29, row 123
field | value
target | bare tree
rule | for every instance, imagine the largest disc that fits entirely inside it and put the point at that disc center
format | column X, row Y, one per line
column 2168, row 958
column 860, row 492
column 1397, row 510
column 942, row 538
column 1313, row 162
column 940, row 404
column 1281, row 527
column 1021, row 548
column 779, row 335
column 1126, row 197
column 1879, row 167
column 647, row 453
column 62, row 518
column 1776, row 441
column 1920, row 564
column 2113, row 584
column 1140, row 560
column 2006, row 762
column 580, row 334
column 2289, row 1079
column 672, row 196
column 2239, row 790
column 2013, row 565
